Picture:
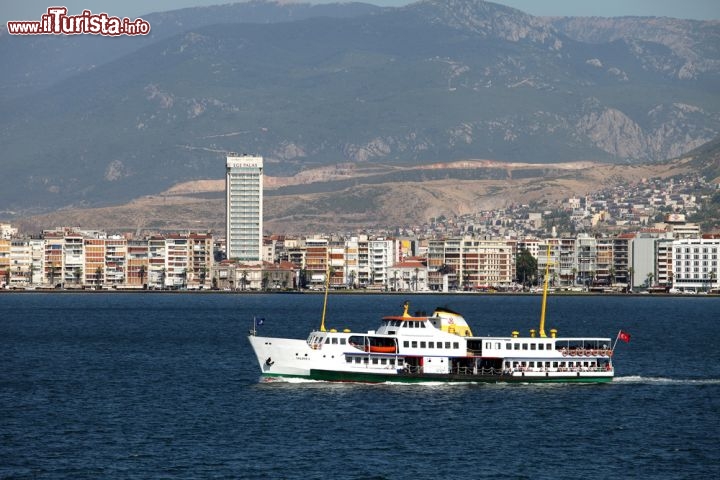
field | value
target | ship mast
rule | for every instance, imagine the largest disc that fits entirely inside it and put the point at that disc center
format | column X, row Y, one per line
column 327, row 286
column 545, row 291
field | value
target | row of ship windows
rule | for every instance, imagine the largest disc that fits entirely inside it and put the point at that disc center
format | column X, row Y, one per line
column 414, row 344
column 520, row 346
column 374, row 361
column 554, row 364
column 400, row 323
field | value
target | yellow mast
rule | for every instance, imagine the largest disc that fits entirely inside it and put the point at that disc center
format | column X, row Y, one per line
column 545, row 290
column 327, row 286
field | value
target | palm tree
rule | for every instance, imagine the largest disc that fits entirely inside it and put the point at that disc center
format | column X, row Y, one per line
column 78, row 274
column 52, row 273
column 331, row 274
column 183, row 278
column 141, row 274
column 203, row 275
column 415, row 278
column 302, row 278
column 650, row 277
column 98, row 276
column 243, row 279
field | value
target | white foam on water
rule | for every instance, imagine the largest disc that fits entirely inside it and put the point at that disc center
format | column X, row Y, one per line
column 638, row 379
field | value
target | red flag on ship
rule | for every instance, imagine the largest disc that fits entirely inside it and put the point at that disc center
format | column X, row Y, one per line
column 624, row 336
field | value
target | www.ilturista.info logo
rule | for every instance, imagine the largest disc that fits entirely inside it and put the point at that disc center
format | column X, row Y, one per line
column 57, row 22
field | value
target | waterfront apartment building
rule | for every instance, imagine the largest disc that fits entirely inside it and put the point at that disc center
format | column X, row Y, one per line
column 696, row 265
column 5, row 249
column 470, row 263
column 81, row 259
column 408, row 275
column 244, row 208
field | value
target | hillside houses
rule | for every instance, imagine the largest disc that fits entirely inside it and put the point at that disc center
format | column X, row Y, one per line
column 641, row 240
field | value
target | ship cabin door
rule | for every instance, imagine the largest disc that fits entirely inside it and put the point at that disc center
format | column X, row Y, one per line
column 474, row 347
column 413, row 364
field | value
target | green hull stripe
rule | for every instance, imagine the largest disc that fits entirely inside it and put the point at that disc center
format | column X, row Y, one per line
column 333, row 376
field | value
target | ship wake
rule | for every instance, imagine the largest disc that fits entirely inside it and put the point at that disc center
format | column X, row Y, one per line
column 639, row 379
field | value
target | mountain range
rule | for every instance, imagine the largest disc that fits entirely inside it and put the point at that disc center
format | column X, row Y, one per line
column 88, row 121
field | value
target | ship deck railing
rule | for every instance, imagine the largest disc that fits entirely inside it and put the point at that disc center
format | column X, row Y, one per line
column 470, row 371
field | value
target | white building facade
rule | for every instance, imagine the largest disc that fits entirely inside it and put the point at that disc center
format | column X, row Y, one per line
column 696, row 266
column 244, row 208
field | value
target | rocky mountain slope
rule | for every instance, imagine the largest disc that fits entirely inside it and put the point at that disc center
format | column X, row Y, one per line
column 435, row 82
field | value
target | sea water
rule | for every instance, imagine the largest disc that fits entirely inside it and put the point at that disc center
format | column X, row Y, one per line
column 151, row 385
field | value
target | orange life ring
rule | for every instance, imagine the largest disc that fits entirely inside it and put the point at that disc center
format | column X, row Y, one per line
column 609, row 353
column 564, row 352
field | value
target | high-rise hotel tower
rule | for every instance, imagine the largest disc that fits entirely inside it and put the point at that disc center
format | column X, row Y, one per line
column 244, row 207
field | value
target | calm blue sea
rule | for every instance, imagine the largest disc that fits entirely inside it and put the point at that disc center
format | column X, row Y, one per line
column 152, row 385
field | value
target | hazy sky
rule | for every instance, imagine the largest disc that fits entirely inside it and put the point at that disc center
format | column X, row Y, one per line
column 695, row 9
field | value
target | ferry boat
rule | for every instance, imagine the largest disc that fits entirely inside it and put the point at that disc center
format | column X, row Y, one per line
column 436, row 348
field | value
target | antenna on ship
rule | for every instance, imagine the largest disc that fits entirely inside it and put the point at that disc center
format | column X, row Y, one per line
column 545, row 290
column 327, row 286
